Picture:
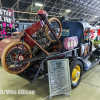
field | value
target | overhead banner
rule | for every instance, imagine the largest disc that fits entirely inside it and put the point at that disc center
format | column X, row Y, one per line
column 7, row 15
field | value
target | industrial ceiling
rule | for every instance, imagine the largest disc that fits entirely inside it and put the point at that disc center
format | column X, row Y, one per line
column 88, row 10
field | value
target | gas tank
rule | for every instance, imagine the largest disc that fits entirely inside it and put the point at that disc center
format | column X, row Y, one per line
column 42, row 12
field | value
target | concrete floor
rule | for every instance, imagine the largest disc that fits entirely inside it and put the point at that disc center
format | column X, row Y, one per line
column 88, row 89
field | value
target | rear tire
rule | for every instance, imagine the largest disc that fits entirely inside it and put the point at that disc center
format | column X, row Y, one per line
column 12, row 53
column 76, row 69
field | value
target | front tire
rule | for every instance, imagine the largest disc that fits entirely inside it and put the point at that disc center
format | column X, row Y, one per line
column 76, row 69
column 56, row 26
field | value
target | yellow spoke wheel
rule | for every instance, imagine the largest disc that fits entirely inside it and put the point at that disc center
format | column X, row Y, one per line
column 76, row 74
column 76, row 69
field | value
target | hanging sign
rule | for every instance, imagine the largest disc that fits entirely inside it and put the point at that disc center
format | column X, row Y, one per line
column 6, row 15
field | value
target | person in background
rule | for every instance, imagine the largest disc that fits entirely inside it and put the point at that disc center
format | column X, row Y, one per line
column 17, row 26
column 13, row 29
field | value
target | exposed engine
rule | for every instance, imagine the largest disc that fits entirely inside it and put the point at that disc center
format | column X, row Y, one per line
column 41, row 39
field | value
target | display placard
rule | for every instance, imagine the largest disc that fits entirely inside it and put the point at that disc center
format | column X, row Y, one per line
column 59, row 77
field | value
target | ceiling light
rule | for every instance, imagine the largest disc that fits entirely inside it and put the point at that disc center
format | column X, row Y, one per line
column 68, row 10
column 38, row 4
column 96, row 16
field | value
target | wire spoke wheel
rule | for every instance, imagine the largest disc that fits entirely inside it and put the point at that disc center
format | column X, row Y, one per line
column 15, row 51
column 57, row 28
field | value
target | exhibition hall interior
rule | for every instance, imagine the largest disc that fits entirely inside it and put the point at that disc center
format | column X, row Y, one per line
column 49, row 49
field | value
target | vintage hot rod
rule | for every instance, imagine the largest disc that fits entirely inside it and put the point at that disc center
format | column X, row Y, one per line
column 26, row 54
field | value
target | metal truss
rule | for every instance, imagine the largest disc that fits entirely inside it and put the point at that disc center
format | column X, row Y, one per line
column 80, row 9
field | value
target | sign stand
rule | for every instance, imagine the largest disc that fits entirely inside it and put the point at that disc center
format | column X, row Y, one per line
column 59, row 77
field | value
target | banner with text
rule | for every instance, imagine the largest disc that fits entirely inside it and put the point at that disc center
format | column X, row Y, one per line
column 6, row 15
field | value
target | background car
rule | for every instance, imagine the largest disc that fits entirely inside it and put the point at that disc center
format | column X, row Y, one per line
column 94, row 35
